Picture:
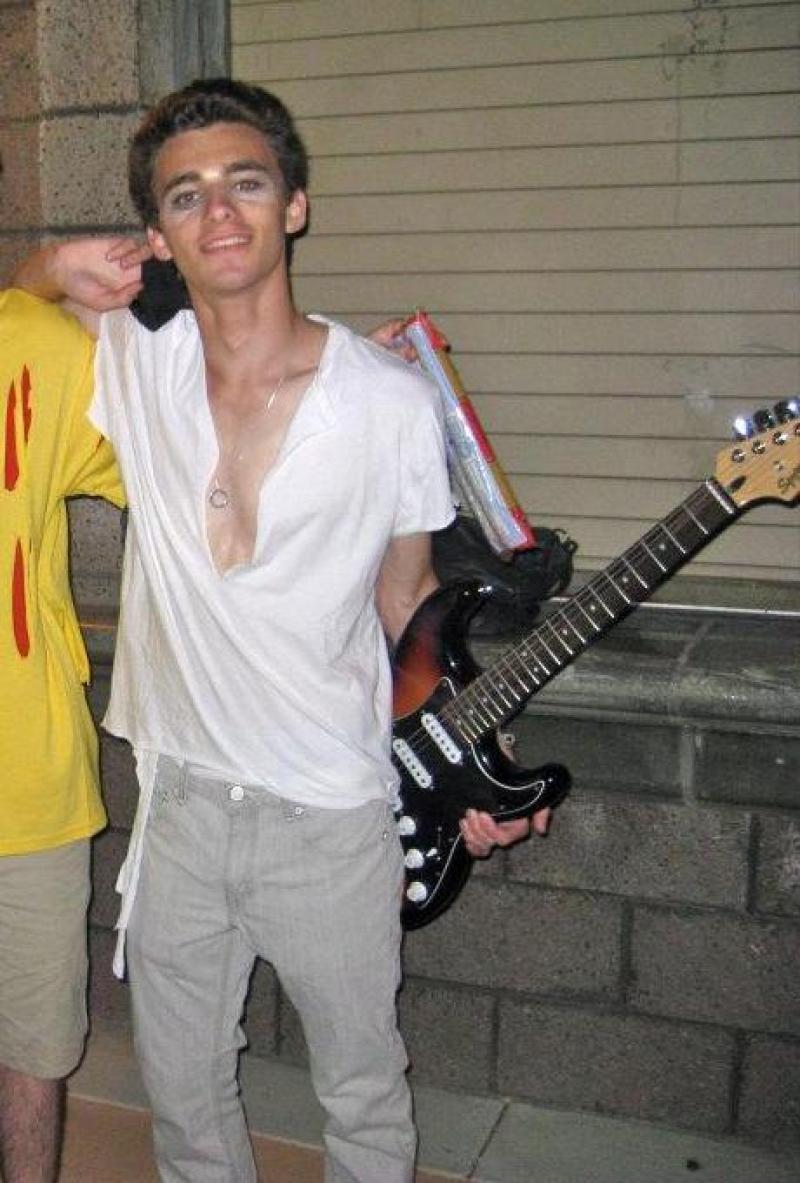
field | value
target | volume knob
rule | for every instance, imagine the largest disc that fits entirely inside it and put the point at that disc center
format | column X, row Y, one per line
column 414, row 859
column 417, row 892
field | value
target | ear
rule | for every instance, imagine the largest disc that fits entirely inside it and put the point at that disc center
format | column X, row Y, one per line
column 296, row 212
column 158, row 244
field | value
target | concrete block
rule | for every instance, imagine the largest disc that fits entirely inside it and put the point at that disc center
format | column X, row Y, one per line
column 615, row 844
column 759, row 769
column 120, row 787
column 20, row 184
column 108, row 854
column 449, row 1036
column 748, row 668
column 261, row 1011
column 109, row 999
column 19, row 81
column 84, row 167
column 14, row 248
column 769, row 1104
column 98, row 689
column 778, row 868
column 599, row 753
column 614, row 1063
column 291, row 1040
column 715, row 968
column 96, row 544
column 509, row 936
column 88, row 53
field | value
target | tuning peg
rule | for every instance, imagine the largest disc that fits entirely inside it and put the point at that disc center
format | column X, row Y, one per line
column 742, row 428
column 787, row 410
column 763, row 420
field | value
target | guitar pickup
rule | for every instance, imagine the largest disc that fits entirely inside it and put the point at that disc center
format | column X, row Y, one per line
column 444, row 742
column 412, row 763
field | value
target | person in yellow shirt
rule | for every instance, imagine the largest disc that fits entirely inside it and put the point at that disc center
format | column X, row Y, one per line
column 49, row 800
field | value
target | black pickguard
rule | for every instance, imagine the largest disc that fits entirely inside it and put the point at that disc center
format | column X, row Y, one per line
column 437, row 862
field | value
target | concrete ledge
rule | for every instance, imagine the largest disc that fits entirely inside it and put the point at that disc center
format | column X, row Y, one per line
column 731, row 669
column 488, row 1140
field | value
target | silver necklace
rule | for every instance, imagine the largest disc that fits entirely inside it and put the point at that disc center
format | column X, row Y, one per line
column 218, row 496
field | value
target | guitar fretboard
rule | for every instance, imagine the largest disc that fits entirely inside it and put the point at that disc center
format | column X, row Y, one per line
column 500, row 692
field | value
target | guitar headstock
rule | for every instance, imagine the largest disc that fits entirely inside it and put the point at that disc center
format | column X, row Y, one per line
column 763, row 464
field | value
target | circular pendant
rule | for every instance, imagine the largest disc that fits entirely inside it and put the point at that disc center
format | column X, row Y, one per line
column 218, row 498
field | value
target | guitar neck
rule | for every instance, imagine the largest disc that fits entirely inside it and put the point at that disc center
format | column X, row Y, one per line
column 502, row 690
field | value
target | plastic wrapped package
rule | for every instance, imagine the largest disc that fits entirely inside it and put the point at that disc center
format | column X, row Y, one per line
column 481, row 486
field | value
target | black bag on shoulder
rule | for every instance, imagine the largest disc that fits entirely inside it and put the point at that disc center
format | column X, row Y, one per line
column 519, row 583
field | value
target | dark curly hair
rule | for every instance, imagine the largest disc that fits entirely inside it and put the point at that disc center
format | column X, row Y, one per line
column 201, row 104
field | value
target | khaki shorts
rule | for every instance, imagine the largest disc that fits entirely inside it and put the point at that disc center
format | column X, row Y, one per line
column 43, row 902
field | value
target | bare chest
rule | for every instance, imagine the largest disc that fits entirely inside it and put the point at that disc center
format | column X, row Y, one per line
column 250, row 435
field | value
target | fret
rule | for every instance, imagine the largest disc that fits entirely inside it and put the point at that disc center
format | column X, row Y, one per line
column 675, row 541
column 575, row 629
column 651, row 573
column 554, row 631
column 556, row 659
column 606, row 598
column 474, row 715
column 654, row 557
column 719, row 496
column 470, row 732
column 592, row 621
column 601, row 601
column 661, row 536
column 510, row 663
column 615, row 585
column 696, row 521
column 524, row 652
column 491, row 706
column 631, row 567
column 499, row 687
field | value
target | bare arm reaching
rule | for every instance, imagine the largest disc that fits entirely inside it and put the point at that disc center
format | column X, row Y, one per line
column 92, row 275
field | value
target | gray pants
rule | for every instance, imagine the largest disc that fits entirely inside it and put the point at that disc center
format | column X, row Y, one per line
column 231, row 872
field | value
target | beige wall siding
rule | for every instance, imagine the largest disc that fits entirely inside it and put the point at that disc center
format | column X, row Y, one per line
column 598, row 200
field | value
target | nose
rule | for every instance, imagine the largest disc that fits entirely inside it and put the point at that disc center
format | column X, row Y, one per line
column 219, row 206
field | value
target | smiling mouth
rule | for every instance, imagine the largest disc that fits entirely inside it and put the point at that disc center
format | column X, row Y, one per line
column 229, row 242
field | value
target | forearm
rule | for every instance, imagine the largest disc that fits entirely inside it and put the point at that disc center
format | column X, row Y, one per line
column 38, row 274
column 407, row 578
column 95, row 273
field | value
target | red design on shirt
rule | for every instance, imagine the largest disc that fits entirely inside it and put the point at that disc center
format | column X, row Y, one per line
column 19, row 608
column 11, row 455
column 27, row 406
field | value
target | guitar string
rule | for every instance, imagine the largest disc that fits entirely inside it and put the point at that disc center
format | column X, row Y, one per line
column 679, row 523
column 638, row 554
column 679, row 526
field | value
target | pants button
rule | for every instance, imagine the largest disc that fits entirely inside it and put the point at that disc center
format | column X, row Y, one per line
column 236, row 793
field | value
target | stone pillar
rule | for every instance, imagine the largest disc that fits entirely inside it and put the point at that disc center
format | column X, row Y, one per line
column 75, row 76
column 20, row 192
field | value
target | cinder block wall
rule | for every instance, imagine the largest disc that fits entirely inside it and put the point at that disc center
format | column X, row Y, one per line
column 75, row 77
column 643, row 959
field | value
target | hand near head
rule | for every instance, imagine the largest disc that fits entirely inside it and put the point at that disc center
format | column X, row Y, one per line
column 97, row 273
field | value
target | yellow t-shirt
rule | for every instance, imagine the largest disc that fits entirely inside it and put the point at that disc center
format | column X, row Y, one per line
column 49, row 451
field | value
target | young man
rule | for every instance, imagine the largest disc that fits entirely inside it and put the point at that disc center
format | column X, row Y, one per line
column 282, row 476
column 49, row 802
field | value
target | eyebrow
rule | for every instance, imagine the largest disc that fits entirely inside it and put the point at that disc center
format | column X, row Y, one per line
column 237, row 166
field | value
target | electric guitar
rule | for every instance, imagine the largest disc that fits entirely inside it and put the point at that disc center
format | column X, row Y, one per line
column 447, row 711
